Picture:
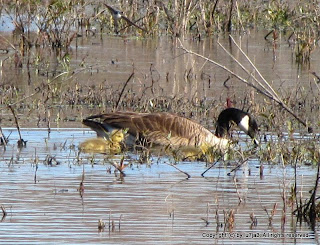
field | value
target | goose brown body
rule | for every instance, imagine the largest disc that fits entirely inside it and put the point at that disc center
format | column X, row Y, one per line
column 156, row 128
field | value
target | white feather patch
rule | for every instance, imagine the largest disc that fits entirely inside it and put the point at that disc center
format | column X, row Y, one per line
column 244, row 124
column 220, row 143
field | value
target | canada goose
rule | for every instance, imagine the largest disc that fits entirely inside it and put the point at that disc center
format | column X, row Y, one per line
column 169, row 129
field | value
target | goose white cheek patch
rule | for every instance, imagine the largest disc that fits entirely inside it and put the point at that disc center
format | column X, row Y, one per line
column 244, row 124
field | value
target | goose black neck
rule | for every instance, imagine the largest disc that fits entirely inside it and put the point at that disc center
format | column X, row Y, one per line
column 226, row 117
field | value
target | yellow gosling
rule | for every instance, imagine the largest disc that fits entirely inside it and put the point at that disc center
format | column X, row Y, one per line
column 117, row 136
column 112, row 145
column 190, row 153
column 209, row 152
column 205, row 152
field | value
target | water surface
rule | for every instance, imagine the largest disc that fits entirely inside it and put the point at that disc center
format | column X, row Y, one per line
column 153, row 203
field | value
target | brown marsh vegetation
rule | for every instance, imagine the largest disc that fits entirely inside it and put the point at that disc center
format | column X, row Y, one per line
column 40, row 53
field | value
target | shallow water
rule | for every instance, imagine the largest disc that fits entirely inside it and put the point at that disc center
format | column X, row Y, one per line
column 101, row 65
column 153, row 203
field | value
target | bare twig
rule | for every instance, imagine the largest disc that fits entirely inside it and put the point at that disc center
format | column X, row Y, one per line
column 211, row 166
column 275, row 96
column 120, row 167
column 188, row 175
column 81, row 185
column 8, row 42
column 226, row 69
column 317, row 76
column 238, row 192
column 4, row 213
column 36, row 164
column 238, row 166
column 229, row 24
column 3, row 140
column 122, row 91
column 310, row 208
column 263, row 87
column 271, row 90
column 21, row 142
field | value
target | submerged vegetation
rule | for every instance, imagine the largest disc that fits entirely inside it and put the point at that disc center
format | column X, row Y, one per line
column 41, row 51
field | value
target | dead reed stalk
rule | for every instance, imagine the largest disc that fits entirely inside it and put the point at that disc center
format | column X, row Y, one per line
column 172, row 165
column 211, row 166
column 81, row 185
column 260, row 84
column 3, row 140
column 122, row 91
column 4, row 213
column 21, row 142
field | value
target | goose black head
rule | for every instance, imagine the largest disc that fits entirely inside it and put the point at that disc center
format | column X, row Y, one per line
column 243, row 119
